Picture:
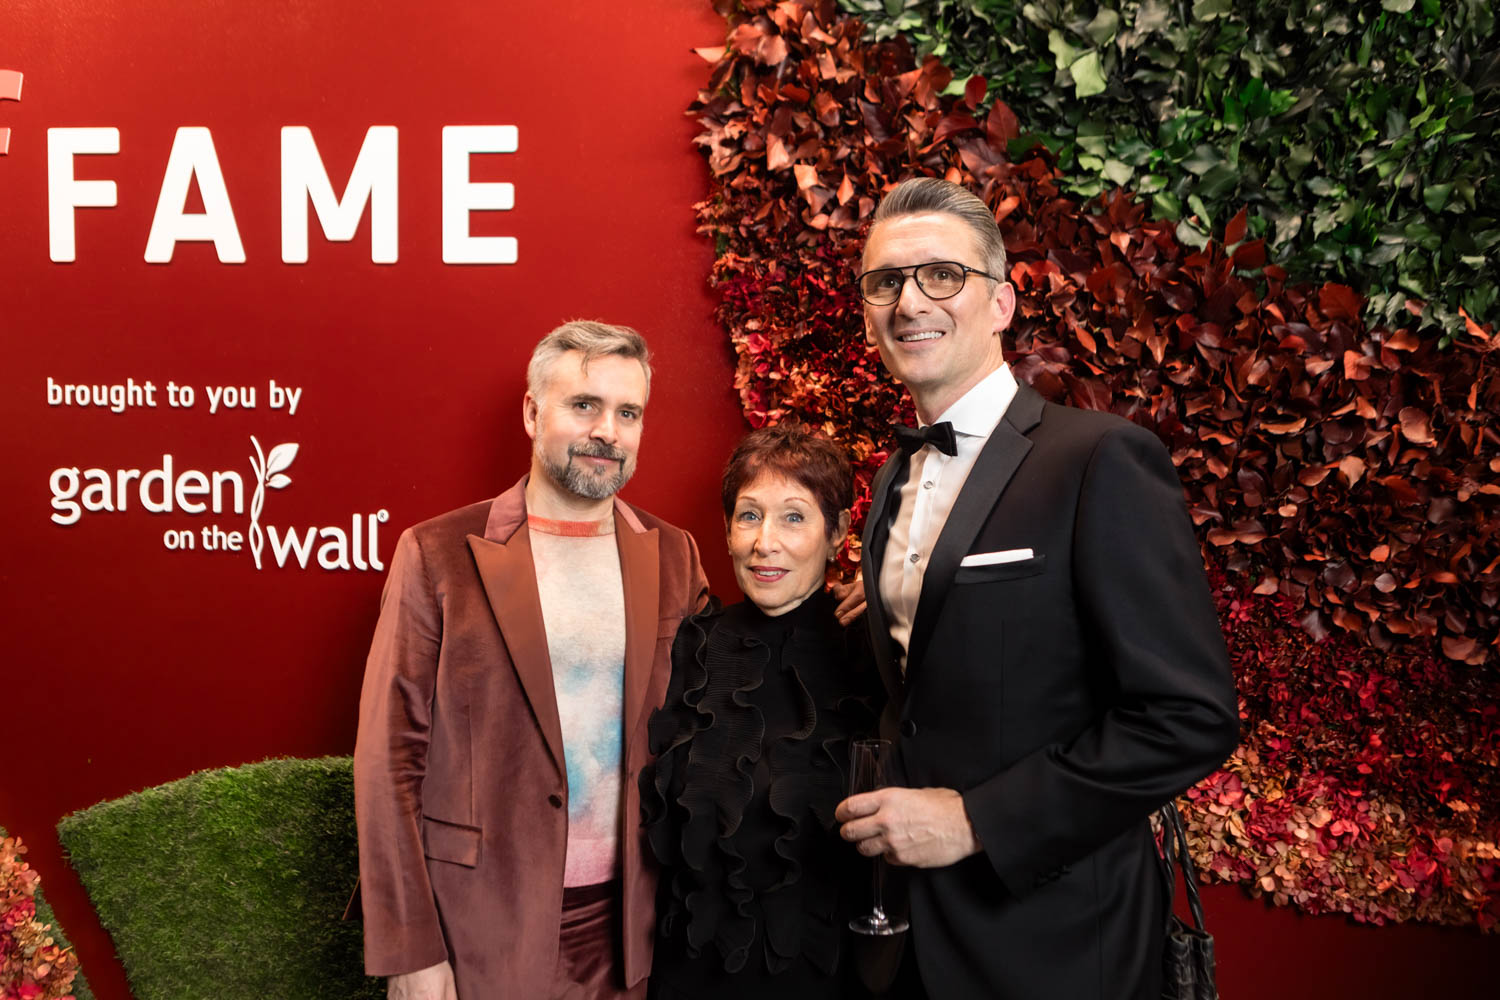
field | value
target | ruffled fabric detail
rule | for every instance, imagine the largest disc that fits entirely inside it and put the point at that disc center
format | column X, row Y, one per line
column 710, row 737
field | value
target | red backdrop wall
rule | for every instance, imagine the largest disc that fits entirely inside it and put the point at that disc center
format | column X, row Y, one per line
column 130, row 662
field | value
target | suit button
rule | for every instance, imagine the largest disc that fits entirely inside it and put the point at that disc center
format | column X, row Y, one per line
column 556, row 800
column 908, row 728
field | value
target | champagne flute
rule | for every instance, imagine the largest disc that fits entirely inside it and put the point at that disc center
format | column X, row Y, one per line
column 868, row 760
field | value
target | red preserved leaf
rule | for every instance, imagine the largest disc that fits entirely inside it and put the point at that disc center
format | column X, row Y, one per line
column 1476, row 331
column 1402, row 340
column 952, row 124
column 1235, row 231
column 1415, row 426
column 1250, row 256
column 974, row 91
column 1458, row 647
column 777, row 158
column 1284, row 426
column 1001, row 125
column 1339, row 302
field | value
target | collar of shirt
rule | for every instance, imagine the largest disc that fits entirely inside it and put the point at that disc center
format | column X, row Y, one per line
column 925, row 500
column 978, row 411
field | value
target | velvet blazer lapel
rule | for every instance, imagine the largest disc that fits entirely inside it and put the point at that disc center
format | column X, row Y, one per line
column 998, row 461
column 640, row 575
column 503, row 558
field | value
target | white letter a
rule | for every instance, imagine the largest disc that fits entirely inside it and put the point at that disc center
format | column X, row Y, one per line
column 193, row 155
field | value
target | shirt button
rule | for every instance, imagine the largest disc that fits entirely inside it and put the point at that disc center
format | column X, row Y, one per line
column 916, row 556
column 556, row 800
column 927, row 485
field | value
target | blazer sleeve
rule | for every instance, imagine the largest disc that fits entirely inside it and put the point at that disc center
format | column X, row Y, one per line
column 1154, row 644
column 402, row 933
column 698, row 581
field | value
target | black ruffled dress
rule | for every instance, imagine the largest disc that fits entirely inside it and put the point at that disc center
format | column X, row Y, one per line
column 752, row 748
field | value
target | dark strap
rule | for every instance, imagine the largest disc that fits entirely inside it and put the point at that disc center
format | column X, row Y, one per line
column 1174, row 854
column 940, row 436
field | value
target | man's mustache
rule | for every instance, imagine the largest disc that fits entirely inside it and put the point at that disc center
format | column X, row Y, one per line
column 596, row 449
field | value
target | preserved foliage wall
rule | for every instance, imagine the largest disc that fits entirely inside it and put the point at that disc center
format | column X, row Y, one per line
column 1342, row 476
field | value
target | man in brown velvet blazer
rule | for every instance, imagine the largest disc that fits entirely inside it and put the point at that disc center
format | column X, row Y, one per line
column 521, row 646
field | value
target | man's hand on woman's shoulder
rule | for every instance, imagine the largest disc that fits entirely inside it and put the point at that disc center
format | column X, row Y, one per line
column 851, row 599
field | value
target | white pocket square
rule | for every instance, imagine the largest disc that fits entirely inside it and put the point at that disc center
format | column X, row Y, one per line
column 995, row 558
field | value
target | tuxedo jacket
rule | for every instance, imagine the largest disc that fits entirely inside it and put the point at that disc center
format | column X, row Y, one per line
column 1066, row 696
column 460, row 785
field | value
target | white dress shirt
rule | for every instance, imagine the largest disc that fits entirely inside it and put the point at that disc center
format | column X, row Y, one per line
column 924, row 501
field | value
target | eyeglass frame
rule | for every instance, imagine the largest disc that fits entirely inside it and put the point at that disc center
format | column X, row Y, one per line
column 964, row 269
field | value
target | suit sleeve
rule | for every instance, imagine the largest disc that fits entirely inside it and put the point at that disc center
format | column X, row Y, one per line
column 1154, row 644
column 402, row 933
column 698, row 581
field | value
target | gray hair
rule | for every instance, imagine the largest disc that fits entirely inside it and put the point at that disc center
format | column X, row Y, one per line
column 591, row 338
column 923, row 195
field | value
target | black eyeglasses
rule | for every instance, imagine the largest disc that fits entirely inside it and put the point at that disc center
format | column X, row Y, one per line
column 940, row 279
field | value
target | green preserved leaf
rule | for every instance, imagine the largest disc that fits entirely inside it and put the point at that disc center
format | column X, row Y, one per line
column 1088, row 75
column 1119, row 173
column 1103, row 27
column 1202, row 160
column 1217, row 183
column 1150, row 183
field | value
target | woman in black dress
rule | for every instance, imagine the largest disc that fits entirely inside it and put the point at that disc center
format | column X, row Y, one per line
column 752, row 747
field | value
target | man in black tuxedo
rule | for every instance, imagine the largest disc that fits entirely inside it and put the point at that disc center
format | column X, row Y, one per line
column 1043, row 623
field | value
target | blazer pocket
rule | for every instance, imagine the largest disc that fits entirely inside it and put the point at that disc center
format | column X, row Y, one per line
column 1001, row 571
column 451, row 842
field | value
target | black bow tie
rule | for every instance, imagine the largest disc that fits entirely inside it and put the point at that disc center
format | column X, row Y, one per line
column 940, row 436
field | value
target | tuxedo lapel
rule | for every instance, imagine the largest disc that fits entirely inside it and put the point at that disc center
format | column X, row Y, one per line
column 640, row 575
column 503, row 558
column 998, row 460
column 877, row 530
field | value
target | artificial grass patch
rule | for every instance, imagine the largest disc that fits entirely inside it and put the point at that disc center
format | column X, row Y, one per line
column 44, row 915
column 230, row 884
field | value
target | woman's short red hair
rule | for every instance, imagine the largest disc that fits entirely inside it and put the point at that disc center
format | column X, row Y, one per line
column 792, row 453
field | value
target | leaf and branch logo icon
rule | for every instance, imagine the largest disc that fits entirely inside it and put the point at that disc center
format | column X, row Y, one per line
column 270, row 471
column 10, row 90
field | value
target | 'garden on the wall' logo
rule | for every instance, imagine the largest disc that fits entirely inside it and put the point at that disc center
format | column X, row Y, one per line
column 167, row 490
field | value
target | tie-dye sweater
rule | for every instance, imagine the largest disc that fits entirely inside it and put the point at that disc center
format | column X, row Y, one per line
column 583, row 608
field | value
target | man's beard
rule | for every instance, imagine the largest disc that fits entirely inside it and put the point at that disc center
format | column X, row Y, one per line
column 583, row 483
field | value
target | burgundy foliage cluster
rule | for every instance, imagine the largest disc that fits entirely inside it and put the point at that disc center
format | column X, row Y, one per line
column 1343, row 480
column 1366, row 780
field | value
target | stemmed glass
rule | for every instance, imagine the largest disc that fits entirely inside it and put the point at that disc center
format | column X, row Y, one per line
column 868, row 760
